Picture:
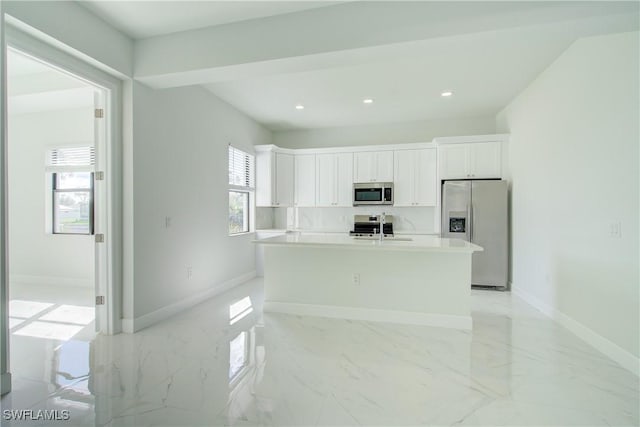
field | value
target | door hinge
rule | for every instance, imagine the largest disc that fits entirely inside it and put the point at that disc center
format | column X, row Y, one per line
column 99, row 113
column 98, row 176
column 100, row 300
column 100, row 238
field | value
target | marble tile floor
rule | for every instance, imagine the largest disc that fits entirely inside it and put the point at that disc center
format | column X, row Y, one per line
column 224, row 362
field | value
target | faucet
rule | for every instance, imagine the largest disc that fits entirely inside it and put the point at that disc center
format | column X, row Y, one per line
column 382, row 221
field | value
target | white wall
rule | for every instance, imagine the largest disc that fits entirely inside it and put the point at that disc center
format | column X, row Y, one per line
column 180, row 140
column 36, row 257
column 5, row 376
column 574, row 169
column 394, row 133
column 71, row 27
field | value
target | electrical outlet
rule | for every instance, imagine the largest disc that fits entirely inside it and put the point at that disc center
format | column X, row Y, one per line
column 615, row 229
column 167, row 221
column 189, row 272
column 356, row 279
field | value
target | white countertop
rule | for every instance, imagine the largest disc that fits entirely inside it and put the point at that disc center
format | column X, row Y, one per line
column 344, row 241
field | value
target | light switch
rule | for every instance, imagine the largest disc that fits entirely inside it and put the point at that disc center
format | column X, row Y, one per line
column 615, row 230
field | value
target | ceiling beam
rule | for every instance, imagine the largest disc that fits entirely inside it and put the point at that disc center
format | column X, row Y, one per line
column 345, row 34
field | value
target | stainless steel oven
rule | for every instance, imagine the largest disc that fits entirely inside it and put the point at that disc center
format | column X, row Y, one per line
column 373, row 193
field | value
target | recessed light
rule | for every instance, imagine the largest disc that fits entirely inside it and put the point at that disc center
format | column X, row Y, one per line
column 299, row 107
column 446, row 94
column 368, row 101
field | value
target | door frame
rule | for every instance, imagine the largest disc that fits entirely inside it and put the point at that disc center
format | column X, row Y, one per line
column 109, row 262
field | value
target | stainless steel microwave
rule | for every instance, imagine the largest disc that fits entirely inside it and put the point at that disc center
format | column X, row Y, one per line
column 373, row 193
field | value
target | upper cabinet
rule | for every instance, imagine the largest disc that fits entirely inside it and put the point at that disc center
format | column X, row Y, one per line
column 373, row 166
column 470, row 160
column 415, row 177
column 334, row 178
column 305, row 180
column 274, row 179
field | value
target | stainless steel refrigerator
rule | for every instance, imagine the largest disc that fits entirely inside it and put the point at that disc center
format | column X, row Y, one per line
column 476, row 211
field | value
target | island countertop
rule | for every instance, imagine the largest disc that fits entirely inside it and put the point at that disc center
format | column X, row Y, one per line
column 332, row 240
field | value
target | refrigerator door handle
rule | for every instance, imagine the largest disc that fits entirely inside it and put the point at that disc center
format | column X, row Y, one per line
column 472, row 222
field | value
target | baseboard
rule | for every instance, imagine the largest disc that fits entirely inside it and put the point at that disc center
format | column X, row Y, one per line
column 600, row 343
column 139, row 323
column 5, row 383
column 26, row 279
column 370, row 314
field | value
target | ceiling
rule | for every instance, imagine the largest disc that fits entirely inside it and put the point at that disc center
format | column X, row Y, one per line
column 485, row 52
column 142, row 19
column 33, row 87
column 484, row 72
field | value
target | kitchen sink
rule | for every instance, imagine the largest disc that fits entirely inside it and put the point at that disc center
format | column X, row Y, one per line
column 396, row 239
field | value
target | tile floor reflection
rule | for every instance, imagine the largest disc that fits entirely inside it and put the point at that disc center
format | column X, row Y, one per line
column 225, row 363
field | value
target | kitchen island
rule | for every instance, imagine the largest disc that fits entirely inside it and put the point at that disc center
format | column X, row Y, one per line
column 423, row 280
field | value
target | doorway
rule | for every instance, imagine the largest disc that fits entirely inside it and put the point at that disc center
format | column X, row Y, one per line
column 54, row 198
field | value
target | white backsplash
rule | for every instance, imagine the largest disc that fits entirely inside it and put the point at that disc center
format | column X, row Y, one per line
column 406, row 220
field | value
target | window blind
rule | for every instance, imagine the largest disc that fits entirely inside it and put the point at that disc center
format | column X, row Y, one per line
column 241, row 168
column 72, row 156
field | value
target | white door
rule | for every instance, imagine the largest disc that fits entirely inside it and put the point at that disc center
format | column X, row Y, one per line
column 284, row 179
column 325, row 179
column 453, row 161
column 404, row 177
column 426, row 180
column 364, row 165
column 100, row 214
column 305, row 180
column 344, row 179
column 484, row 160
column 384, row 166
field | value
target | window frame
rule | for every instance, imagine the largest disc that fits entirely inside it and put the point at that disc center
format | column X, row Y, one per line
column 55, row 190
column 54, row 167
column 249, row 188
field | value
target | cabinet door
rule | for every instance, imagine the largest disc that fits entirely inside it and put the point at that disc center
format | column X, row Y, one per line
column 426, row 179
column 305, row 180
column 484, row 160
column 453, row 161
column 364, row 166
column 284, row 179
column 325, row 179
column 384, row 166
column 265, row 164
column 344, row 179
column 404, row 177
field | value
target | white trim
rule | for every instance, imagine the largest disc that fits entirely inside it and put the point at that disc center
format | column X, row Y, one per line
column 371, row 314
column 139, row 323
column 27, row 279
column 5, row 382
column 600, row 343
column 499, row 137
column 342, row 149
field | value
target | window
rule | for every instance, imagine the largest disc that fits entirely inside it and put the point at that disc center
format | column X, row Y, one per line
column 71, row 173
column 241, row 188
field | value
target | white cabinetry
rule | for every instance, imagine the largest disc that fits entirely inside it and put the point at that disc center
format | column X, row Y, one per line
column 305, row 180
column 334, row 178
column 470, row 160
column 373, row 166
column 415, row 178
column 274, row 179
